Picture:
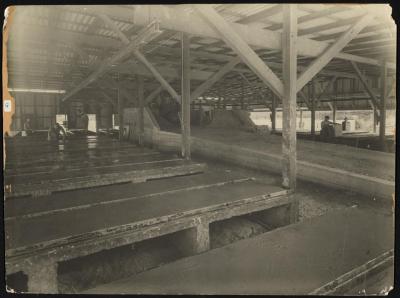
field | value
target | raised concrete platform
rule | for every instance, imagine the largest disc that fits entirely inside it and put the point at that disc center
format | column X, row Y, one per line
column 44, row 184
column 65, row 163
column 117, row 215
column 364, row 171
column 324, row 255
column 50, row 168
column 95, row 156
column 31, row 150
column 357, row 139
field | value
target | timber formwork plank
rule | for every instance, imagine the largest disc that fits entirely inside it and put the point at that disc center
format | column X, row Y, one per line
column 84, row 198
column 56, row 145
column 25, row 232
column 69, row 139
column 91, row 156
column 67, row 148
column 44, row 184
column 282, row 262
column 81, row 172
column 81, row 153
column 72, row 164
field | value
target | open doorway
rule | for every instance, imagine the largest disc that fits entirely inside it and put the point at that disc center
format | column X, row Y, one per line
column 115, row 121
column 92, row 125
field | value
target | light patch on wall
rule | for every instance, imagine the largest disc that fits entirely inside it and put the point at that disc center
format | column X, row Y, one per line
column 36, row 90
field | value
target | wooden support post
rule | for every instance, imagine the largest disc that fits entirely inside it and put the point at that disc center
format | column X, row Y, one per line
column 185, row 101
column 375, row 119
column 120, row 115
column 334, row 111
column 312, row 94
column 140, row 88
column 42, row 278
column 201, row 112
column 21, row 116
column 301, row 118
column 373, row 101
column 273, row 113
column 382, row 122
column 242, row 96
column 289, row 37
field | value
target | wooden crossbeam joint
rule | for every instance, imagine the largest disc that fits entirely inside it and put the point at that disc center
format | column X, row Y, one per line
column 146, row 33
column 332, row 51
column 242, row 49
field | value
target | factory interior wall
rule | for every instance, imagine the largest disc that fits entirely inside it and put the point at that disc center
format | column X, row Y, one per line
column 41, row 108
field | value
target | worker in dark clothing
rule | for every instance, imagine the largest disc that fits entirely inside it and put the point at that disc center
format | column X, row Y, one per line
column 28, row 127
column 85, row 121
column 60, row 131
column 327, row 130
column 57, row 132
column 344, row 124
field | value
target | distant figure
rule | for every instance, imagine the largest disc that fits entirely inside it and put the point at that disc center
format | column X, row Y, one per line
column 57, row 132
column 344, row 124
column 326, row 129
column 85, row 120
column 28, row 127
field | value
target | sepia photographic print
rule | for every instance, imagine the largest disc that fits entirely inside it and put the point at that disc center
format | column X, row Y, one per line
column 199, row 148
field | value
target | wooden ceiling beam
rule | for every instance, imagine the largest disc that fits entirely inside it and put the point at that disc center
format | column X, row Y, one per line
column 254, row 37
column 262, row 15
column 242, row 49
column 215, row 77
column 107, row 64
column 374, row 102
column 313, row 16
column 332, row 51
column 141, row 58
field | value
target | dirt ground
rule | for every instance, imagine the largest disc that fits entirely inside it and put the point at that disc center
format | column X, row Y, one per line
column 314, row 200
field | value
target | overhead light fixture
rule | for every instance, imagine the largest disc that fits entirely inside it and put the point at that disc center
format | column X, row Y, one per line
column 36, row 90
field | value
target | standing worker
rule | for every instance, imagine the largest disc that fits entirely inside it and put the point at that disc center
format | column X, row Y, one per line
column 326, row 129
column 85, row 120
column 57, row 132
column 28, row 127
column 344, row 124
